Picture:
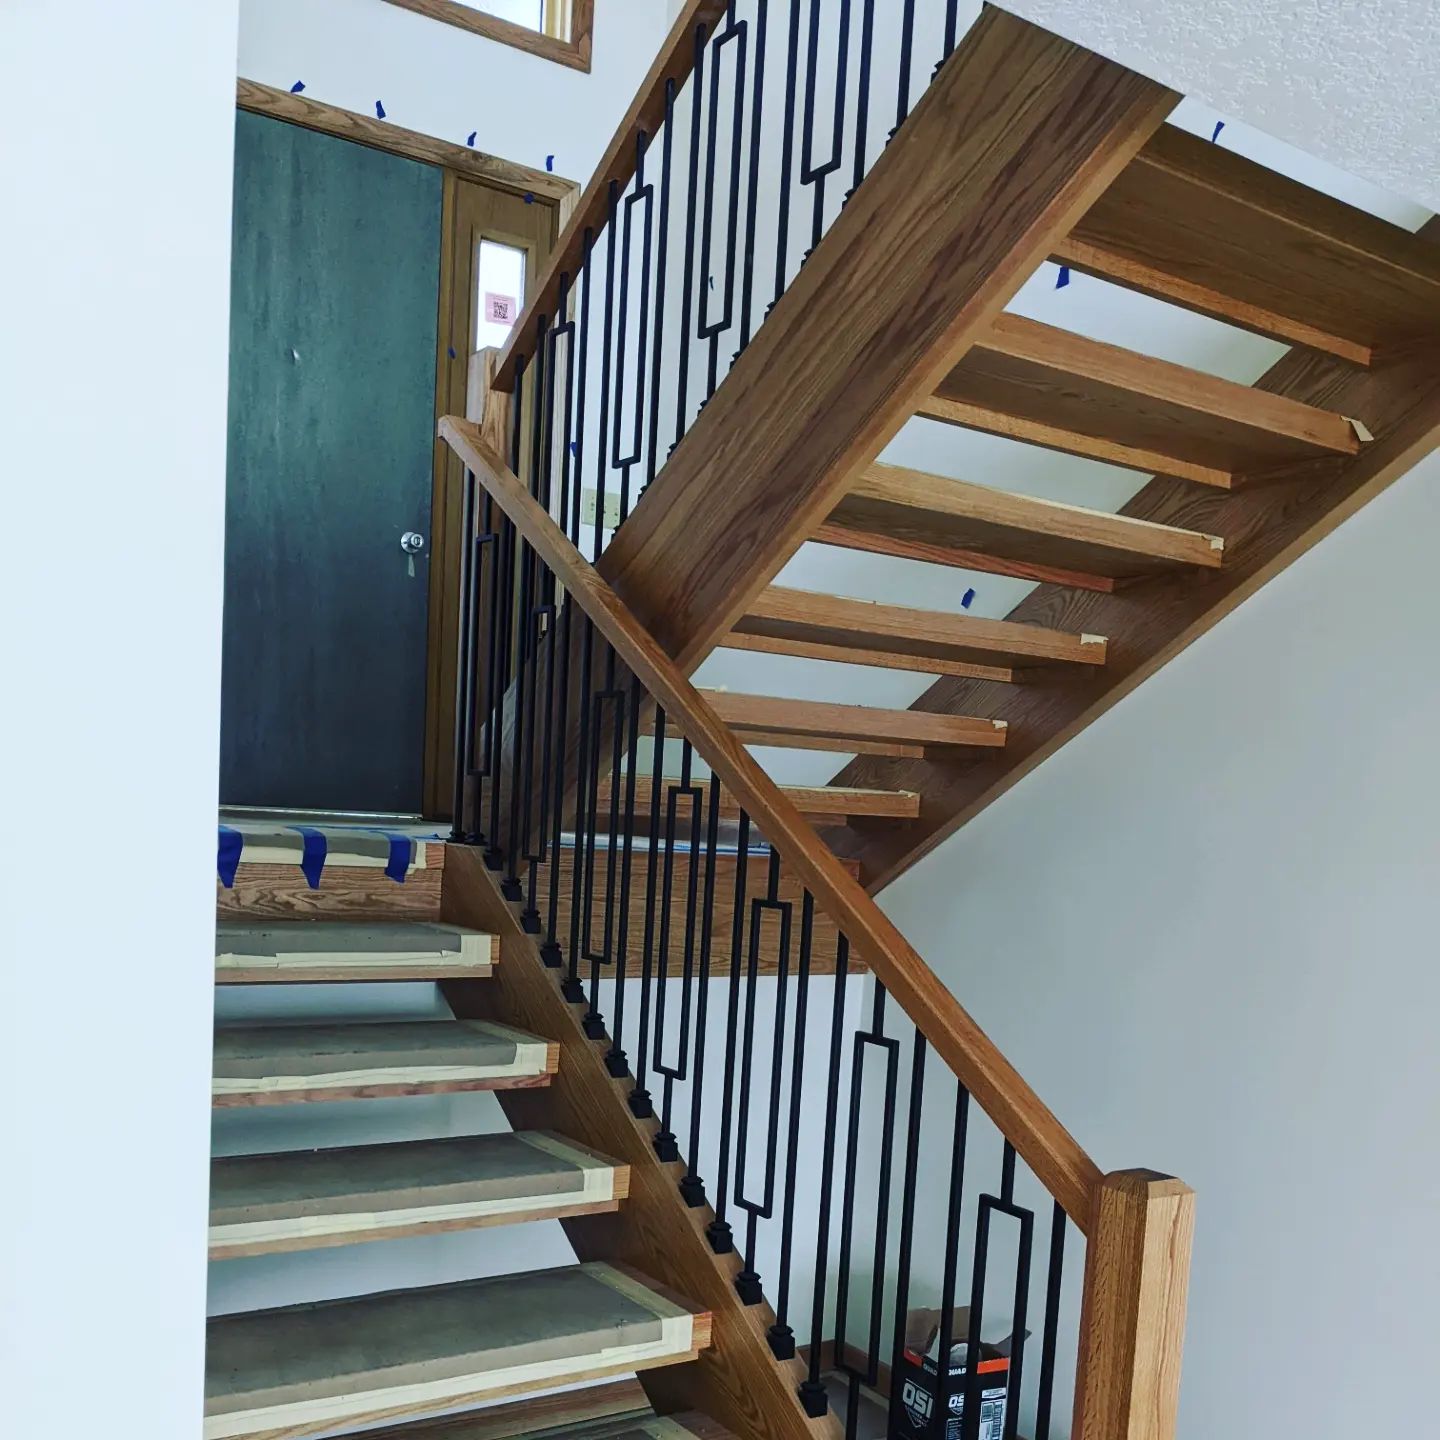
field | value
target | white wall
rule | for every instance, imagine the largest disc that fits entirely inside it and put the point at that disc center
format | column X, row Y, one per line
column 114, row 267
column 444, row 81
column 1205, row 932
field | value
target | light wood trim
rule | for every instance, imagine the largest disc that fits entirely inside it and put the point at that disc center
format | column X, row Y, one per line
column 382, row 135
column 1028, row 380
column 1046, row 1146
column 1132, row 1319
column 1161, row 284
column 892, row 500
column 915, row 637
column 1017, row 135
column 647, row 112
column 863, row 729
column 857, row 655
column 1055, row 437
column 571, row 48
column 816, row 802
column 618, row 1398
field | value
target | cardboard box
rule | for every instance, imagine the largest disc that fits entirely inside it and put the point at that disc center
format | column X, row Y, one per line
column 924, row 1388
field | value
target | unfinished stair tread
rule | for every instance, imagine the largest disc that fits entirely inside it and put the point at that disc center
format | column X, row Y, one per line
column 309, row 1369
column 820, row 804
column 852, row 729
column 314, row 951
column 304, row 1199
column 1198, row 225
column 1051, row 387
column 976, row 526
column 276, row 1064
column 351, row 848
column 818, row 626
column 524, row 1417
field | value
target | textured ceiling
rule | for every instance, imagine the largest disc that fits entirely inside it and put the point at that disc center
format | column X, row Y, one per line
column 1356, row 82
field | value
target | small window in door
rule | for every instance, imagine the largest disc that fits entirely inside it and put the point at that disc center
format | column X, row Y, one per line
column 557, row 30
column 500, row 291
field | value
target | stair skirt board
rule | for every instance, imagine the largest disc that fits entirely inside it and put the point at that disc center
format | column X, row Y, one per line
column 308, row 1369
column 280, row 1064
column 306, row 1199
column 319, row 951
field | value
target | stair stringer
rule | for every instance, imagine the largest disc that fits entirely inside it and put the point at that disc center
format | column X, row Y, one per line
column 737, row 1380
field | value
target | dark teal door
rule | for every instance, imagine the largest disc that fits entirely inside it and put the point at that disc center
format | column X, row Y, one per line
column 334, row 307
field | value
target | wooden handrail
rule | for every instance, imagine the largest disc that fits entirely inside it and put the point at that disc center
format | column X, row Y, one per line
column 646, row 113
column 1057, row 1159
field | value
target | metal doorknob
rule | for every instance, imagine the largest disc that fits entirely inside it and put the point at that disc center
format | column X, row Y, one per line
column 412, row 542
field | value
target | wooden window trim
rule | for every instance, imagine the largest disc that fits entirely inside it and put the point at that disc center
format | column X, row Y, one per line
column 382, row 135
column 565, row 39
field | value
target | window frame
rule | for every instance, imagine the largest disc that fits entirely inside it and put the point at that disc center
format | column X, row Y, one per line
column 565, row 38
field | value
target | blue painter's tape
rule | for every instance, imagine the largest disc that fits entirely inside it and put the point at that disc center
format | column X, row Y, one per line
column 379, row 111
column 402, row 847
column 312, row 857
column 967, row 600
column 298, row 87
column 227, row 862
column 470, row 138
column 1215, row 133
column 1064, row 277
column 450, row 350
column 550, row 163
column 574, row 447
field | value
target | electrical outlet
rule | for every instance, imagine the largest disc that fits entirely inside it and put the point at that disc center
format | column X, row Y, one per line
column 589, row 500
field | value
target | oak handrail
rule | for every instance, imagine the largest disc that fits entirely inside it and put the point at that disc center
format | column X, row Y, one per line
column 1055, row 1156
column 646, row 113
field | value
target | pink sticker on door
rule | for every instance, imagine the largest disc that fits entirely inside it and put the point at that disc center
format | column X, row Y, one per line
column 499, row 309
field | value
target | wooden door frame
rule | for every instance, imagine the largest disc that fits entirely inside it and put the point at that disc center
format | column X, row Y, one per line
column 453, row 364
column 458, row 164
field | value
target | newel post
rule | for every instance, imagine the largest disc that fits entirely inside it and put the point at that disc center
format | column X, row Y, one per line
column 1132, row 1317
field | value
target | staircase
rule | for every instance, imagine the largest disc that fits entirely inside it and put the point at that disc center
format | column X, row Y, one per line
column 772, row 1136
column 338, row 1363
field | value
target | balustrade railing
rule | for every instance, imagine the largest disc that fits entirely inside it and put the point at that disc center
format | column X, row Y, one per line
column 865, row 1150
column 757, row 123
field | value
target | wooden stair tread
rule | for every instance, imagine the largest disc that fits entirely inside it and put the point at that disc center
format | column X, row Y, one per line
column 836, row 804
column 853, row 729
column 1199, row 225
column 312, row 951
column 1051, row 387
column 500, row 1422
column 928, row 516
column 308, row 1369
column 817, row 626
column 276, row 1064
column 304, row 1199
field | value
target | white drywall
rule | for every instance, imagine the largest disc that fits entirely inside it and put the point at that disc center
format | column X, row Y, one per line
column 1205, row 933
column 1355, row 81
column 114, row 254
column 444, row 81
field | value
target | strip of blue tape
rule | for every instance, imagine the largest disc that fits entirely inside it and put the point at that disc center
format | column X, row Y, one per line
column 1064, row 277
column 227, row 861
column 312, row 857
column 402, row 847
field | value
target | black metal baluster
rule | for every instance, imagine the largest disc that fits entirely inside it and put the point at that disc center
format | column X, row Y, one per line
column 812, row 1389
column 692, row 1187
column 939, row 1418
column 721, row 1237
column 910, row 1186
column 645, row 194
column 606, row 360
column 862, row 98
column 652, row 463
column 687, row 293
column 781, row 1335
column 577, row 446
column 711, row 328
column 787, row 159
column 757, row 114
column 907, row 55
column 1051, row 1326
column 572, row 987
column 616, row 1061
column 641, row 1104
column 810, row 172
column 747, row 1282
column 666, row 1146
